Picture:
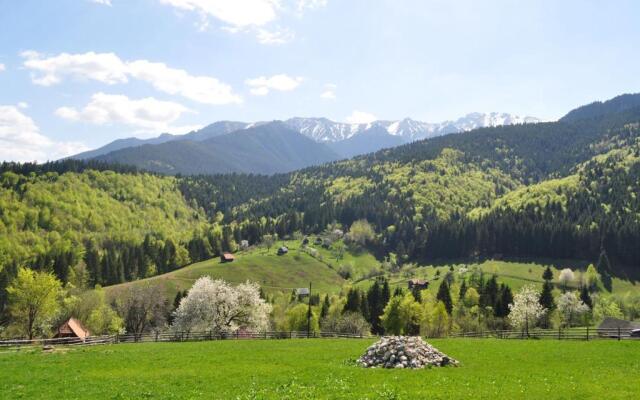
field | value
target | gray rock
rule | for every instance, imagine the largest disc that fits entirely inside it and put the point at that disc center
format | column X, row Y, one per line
column 404, row 352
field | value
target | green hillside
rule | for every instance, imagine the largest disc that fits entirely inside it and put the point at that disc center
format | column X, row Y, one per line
column 272, row 272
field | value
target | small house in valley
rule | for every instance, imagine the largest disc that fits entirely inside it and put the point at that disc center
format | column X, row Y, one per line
column 417, row 284
column 302, row 292
column 227, row 257
column 72, row 328
column 283, row 250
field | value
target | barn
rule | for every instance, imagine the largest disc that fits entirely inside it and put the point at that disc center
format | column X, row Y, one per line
column 227, row 257
column 72, row 328
column 419, row 284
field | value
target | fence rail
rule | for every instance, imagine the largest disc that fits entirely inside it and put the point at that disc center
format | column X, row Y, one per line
column 17, row 344
column 585, row 333
column 578, row 333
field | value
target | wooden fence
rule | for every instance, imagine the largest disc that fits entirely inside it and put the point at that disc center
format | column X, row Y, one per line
column 577, row 333
column 170, row 336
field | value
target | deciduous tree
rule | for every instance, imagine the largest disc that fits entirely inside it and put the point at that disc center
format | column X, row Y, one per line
column 34, row 300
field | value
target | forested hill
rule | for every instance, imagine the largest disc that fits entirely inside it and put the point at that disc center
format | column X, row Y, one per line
column 423, row 198
column 567, row 189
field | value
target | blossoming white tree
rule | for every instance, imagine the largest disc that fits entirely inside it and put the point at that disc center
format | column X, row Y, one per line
column 526, row 310
column 571, row 308
column 214, row 305
column 566, row 276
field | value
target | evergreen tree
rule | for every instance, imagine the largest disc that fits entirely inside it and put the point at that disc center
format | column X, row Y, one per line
column 585, row 297
column 489, row 294
column 324, row 311
column 604, row 269
column 506, row 298
column 364, row 306
column 385, row 295
column 353, row 301
column 546, row 296
column 463, row 289
column 444, row 296
column 547, row 275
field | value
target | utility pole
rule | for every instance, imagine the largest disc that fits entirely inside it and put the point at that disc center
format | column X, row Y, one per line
column 309, row 313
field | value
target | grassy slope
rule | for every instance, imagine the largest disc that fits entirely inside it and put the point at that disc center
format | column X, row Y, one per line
column 272, row 272
column 296, row 269
column 323, row 369
column 514, row 274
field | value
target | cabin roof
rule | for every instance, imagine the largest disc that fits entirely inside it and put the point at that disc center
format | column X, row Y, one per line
column 73, row 327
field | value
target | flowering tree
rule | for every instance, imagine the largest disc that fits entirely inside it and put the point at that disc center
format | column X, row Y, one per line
column 571, row 308
column 526, row 310
column 566, row 276
column 222, row 308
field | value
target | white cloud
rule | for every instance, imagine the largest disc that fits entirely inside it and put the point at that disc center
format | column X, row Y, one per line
column 21, row 140
column 303, row 5
column 103, row 2
column 2, row 67
column 103, row 67
column 203, row 89
column 237, row 13
column 23, row 105
column 276, row 37
column 147, row 113
column 282, row 82
column 329, row 92
column 360, row 117
column 110, row 69
column 252, row 16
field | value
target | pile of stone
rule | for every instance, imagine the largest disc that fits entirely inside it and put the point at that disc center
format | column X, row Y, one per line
column 404, row 352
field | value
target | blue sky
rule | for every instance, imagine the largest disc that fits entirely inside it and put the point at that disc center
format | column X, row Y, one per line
column 76, row 74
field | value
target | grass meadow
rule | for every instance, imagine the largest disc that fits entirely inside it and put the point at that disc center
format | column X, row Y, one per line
column 323, row 369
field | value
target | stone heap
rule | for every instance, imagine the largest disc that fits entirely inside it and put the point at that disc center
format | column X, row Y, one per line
column 404, row 352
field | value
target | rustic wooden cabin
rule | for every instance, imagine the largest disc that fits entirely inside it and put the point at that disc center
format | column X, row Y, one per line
column 419, row 284
column 227, row 257
column 72, row 328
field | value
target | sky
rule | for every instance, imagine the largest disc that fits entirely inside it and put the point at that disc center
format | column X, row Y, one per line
column 77, row 74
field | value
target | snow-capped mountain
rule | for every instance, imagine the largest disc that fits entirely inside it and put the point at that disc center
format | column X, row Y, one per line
column 324, row 130
column 344, row 138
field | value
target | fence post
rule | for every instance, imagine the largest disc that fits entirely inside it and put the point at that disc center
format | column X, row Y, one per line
column 117, row 338
column 559, row 332
column 619, row 334
column 587, row 333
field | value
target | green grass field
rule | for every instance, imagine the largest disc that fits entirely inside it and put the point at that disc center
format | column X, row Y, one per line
column 323, row 369
column 272, row 272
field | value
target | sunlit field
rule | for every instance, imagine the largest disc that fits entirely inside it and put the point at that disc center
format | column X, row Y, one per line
column 322, row 369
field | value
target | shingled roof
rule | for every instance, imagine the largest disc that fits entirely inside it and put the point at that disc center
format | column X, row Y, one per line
column 73, row 328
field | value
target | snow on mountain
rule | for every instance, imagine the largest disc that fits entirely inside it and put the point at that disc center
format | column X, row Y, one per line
column 325, row 130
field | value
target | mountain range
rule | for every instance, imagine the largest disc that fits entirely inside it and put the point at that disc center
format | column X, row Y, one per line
column 271, row 147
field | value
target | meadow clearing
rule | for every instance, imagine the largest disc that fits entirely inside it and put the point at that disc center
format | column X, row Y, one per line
column 323, row 369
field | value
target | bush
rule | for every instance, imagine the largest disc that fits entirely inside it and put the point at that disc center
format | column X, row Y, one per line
column 351, row 323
